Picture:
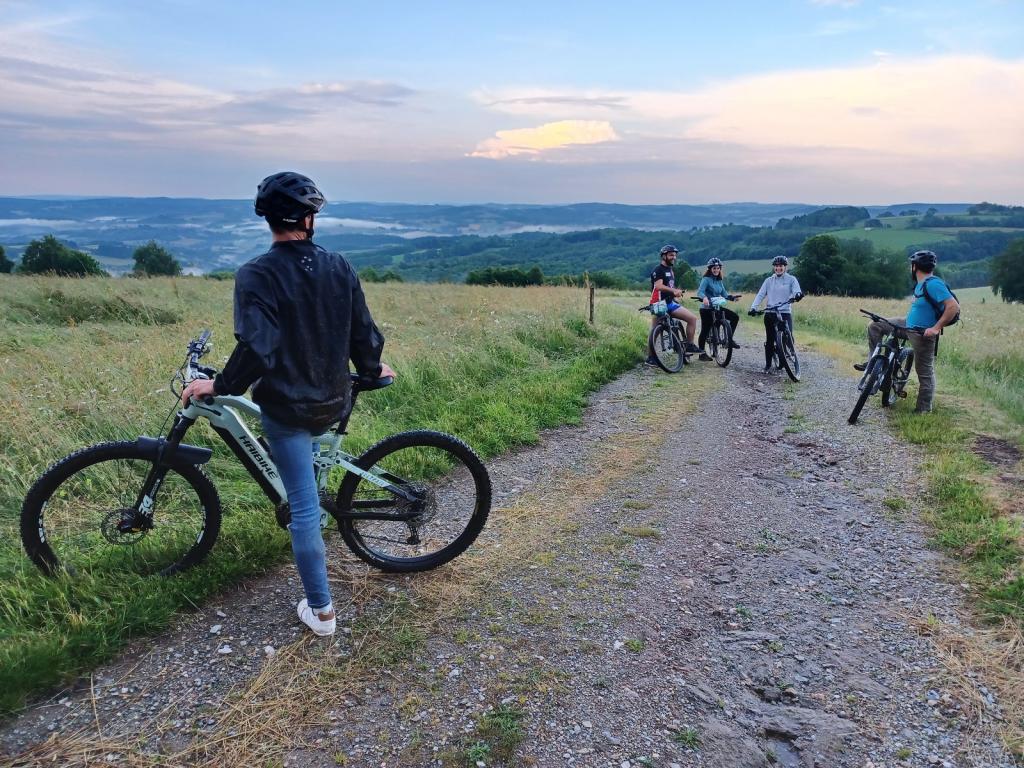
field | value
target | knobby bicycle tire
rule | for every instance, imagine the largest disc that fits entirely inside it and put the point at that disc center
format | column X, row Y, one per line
column 869, row 379
column 68, row 524
column 787, row 354
column 667, row 349
column 721, row 331
column 445, row 473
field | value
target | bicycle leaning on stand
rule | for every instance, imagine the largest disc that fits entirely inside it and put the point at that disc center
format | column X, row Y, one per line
column 888, row 369
column 411, row 502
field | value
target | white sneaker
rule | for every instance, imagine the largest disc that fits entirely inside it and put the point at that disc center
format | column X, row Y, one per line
column 321, row 621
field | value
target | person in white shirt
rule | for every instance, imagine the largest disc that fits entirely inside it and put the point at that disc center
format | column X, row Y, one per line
column 781, row 288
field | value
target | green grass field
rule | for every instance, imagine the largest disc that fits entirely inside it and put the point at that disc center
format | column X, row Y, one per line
column 896, row 239
column 90, row 360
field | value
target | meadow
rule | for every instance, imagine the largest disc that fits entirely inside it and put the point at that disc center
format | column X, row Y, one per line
column 84, row 361
column 896, row 239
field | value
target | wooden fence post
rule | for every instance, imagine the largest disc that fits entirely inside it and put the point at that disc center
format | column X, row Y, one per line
column 590, row 294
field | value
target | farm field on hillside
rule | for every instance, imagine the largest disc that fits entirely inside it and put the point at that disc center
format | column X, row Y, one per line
column 892, row 238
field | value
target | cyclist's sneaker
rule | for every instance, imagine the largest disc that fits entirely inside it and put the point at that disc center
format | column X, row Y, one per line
column 692, row 348
column 321, row 621
column 860, row 366
column 651, row 360
column 705, row 357
column 921, row 409
column 733, row 345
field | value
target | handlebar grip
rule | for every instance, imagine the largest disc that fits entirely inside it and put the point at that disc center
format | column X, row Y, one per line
column 208, row 399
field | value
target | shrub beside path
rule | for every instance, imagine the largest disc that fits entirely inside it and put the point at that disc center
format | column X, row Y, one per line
column 711, row 569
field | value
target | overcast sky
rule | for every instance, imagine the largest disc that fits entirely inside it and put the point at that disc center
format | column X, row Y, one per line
column 817, row 101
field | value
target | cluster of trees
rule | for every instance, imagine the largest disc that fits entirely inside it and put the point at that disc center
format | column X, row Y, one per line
column 371, row 275
column 850, row 268
column 833, row 217
column 50, row 255
column 987, row 208
column 1013, row 219
column 506, row 276
column 516, row 276
column 1008, row 272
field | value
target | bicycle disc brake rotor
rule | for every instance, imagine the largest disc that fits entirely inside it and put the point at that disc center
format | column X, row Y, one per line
column 110, row 528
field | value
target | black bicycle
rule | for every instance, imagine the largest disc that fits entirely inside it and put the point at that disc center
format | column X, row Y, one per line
column 785, row 347
column 719, row 338
column 667, row 340
column 888, row 369
column 412, row 502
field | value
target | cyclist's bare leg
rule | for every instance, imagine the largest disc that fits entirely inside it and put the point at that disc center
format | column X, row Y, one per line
column 690, row 319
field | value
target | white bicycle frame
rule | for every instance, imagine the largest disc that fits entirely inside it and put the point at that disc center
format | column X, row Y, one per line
column 223, row 415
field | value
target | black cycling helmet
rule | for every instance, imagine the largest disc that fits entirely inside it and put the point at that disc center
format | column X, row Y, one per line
column 288, row 197
column 668, row 249
column 926, row 260
column 714, row 262
column 780, row 260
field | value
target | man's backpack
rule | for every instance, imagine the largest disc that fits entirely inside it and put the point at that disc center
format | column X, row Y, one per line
column 936, row 305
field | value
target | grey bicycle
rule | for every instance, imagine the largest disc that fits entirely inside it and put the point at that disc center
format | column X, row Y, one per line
column 412, row 502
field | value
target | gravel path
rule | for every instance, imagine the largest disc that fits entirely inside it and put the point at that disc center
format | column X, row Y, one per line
column 743, row 585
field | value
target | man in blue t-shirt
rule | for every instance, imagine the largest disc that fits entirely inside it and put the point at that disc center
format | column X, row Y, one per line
column 930, row 294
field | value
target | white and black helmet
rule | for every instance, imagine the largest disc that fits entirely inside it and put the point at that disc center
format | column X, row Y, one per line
column 780, row 260
column 714, row 262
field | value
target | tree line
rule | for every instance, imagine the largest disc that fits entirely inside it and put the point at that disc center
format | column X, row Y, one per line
column 49, row 255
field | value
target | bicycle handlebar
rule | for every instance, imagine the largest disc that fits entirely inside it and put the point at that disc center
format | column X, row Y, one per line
column 774, row 308
column 919, row 329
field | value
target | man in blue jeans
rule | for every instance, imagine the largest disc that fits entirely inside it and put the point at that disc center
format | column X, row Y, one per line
column 933, row 309
column 300, row 316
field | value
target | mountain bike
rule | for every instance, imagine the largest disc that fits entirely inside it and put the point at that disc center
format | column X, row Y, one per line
column 785, row 347
column 719, row 338
column 411, row 502
column 667, row 340
column 888, row 369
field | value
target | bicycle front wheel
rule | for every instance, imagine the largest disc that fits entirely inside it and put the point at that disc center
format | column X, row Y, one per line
column 788, row 356
column 722, row 333
column 71, row 515
column 451, row 498
column 667, row 349
column 867, row 386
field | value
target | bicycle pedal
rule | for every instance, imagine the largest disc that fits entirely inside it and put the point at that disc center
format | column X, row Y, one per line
column 901, row 393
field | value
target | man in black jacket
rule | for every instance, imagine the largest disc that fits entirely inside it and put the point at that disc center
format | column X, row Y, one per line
column 300, row 316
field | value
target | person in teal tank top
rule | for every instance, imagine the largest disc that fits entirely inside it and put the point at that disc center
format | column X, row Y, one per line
column 934, row 308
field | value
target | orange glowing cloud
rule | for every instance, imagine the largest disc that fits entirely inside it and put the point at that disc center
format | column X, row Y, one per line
column 549, row 136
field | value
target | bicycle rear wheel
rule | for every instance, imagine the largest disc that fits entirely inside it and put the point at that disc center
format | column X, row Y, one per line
column 721, row 332
column 70, row 517
column 452, row 493
column 667, row 349
column 867, row 385
column 788, row 356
